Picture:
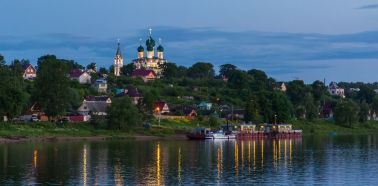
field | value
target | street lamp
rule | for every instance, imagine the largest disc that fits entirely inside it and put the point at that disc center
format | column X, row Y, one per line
column 159, row 115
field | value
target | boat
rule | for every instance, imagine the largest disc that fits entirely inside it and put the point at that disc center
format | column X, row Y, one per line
column 273, row 131
column 198, row 134
column 221, row 135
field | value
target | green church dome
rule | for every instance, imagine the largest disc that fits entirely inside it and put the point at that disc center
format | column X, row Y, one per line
column 150, row 43
column 160, row 48
column 140, row 49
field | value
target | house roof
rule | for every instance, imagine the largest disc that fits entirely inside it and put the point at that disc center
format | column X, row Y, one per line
column 26, row 66
column 96, row 98
column 131, row 92
column 159, row 104
column 75, row 73
column 185, row 109
column 142, row 73
column 96, row 106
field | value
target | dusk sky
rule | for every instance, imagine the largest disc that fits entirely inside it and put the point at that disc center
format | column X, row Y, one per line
column 289, row 39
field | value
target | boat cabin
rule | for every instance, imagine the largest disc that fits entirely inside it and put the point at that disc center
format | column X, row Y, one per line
column 247, row 128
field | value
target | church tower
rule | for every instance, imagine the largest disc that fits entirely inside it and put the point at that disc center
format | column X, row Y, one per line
column 160, row 50
column 140, row 51
column 150, row 44
column 118, row 62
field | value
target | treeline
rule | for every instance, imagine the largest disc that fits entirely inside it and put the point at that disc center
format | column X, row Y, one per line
column 252, row 90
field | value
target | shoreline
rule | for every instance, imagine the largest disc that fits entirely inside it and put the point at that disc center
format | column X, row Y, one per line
column 22, row 139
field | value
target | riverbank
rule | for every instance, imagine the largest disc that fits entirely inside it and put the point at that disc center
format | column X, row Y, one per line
column 168, row 130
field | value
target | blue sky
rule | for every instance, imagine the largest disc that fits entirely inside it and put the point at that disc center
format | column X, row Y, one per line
column 290, row 39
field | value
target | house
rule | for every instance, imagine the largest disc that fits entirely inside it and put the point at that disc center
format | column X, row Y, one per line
column 29, row 72
column 334, row 90
column 205, row 105
column 96, row 105
column 101, row 85
column 146, row 75
column 281, row 86
column 161, row 107
column 81, row 76
column 132, row 92
column 185, row 110
column 233, row 114
column 326, row 112
column 34, row 110
column 79, row 117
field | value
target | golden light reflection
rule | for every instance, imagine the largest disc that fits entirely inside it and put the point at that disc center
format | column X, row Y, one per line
column 249, row 155
column 118, row 179
column 236, row 158
column 254, row 154
column 242, row 154
column 179, row 165
column 274, row 154
column 290, row 150
column 279, row 150
column 262, row 153
column 35, row 158
column 219, row 162
column 158, row 174
column 285, row 157
column 85, row 165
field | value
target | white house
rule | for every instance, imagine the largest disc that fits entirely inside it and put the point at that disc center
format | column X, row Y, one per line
column 81, row 76
column 29, row 72
column 101, row 85
column 97, row 105
column 334, row 90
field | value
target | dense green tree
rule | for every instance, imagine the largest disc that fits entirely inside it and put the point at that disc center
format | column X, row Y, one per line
column 311, row 110
column 296, row 91
column 128, row 69
column 201, row 70
column 52, row 86
column 363, row 112
column 226, row 69
column 260, row 80
column 281, row 107
column 251, row 111
column 123, row 114
column 374, row 104
column 239, row 79
column 13, row 98
column 2, row 61
column 170, row 70
column 103, row 70
column 366, row 94
column 318, row 90
column 91, row 66
column 345, row 113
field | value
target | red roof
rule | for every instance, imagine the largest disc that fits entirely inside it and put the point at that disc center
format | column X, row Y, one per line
column 160, row 105
column 75, row 73
column 142, row 73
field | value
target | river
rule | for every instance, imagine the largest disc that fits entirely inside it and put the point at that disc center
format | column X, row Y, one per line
column 340, row 160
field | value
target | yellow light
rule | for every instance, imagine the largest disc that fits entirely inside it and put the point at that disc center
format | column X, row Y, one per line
column 35, row 158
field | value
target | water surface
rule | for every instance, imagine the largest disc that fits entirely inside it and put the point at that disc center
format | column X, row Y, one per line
column 347, row 160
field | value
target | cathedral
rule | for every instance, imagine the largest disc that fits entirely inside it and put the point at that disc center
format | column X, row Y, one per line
column 148, row 60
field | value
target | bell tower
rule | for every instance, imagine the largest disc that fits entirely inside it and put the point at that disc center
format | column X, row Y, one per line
column 118, row 61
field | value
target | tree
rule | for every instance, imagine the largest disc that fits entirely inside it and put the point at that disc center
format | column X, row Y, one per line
column 296, row 91
column 345, row 113
column 251, row 113
column 13, row 98
column 374, row 105
column 311, row 110
column 318, row 90
column 363, row 113
column 128, row 69
column 201, row 70
column 366, row 94
column 2, row 61
column 52, row 86
column 260, row 79
column 123, row 114
column 281, row 107
column 226, row 69
column 103, row 71
column 91, row 66
column 170, row 70
column 239, row 79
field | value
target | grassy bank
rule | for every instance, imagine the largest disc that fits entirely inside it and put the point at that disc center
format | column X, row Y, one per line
column 327, row 127
column 166, row 128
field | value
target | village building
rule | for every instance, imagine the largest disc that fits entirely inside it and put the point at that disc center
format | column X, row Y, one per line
column 334, row 90
column 95, row 105
column 184, row 110
column 146, row 75
column 281, row 86
column 101, row 85
column 205, row 105
column 29, row 72
column 148, row 59
column 135, row 95
column 161, row 107
column 81, row 76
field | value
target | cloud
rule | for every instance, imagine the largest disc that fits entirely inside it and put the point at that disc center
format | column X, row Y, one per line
column 372, row 6
column 279, row 54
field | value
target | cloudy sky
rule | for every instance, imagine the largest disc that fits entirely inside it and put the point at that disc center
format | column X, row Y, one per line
column 289, row 39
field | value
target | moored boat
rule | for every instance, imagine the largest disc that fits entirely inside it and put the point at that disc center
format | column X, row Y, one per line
column 198, row 134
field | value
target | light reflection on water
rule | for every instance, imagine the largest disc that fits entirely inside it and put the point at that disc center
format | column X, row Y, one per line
column 340, row 160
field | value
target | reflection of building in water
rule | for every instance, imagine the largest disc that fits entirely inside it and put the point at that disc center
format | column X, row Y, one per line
column 118, row 179
column 35, row 158
column 85, row 165
column 158, row 166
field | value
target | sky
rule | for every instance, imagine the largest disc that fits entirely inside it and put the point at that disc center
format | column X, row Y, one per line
column 289, row 39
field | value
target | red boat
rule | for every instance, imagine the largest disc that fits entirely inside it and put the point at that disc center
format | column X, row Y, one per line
column 198, row 134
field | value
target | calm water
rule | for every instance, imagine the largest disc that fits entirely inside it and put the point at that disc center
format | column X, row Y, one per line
column 349, row 160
